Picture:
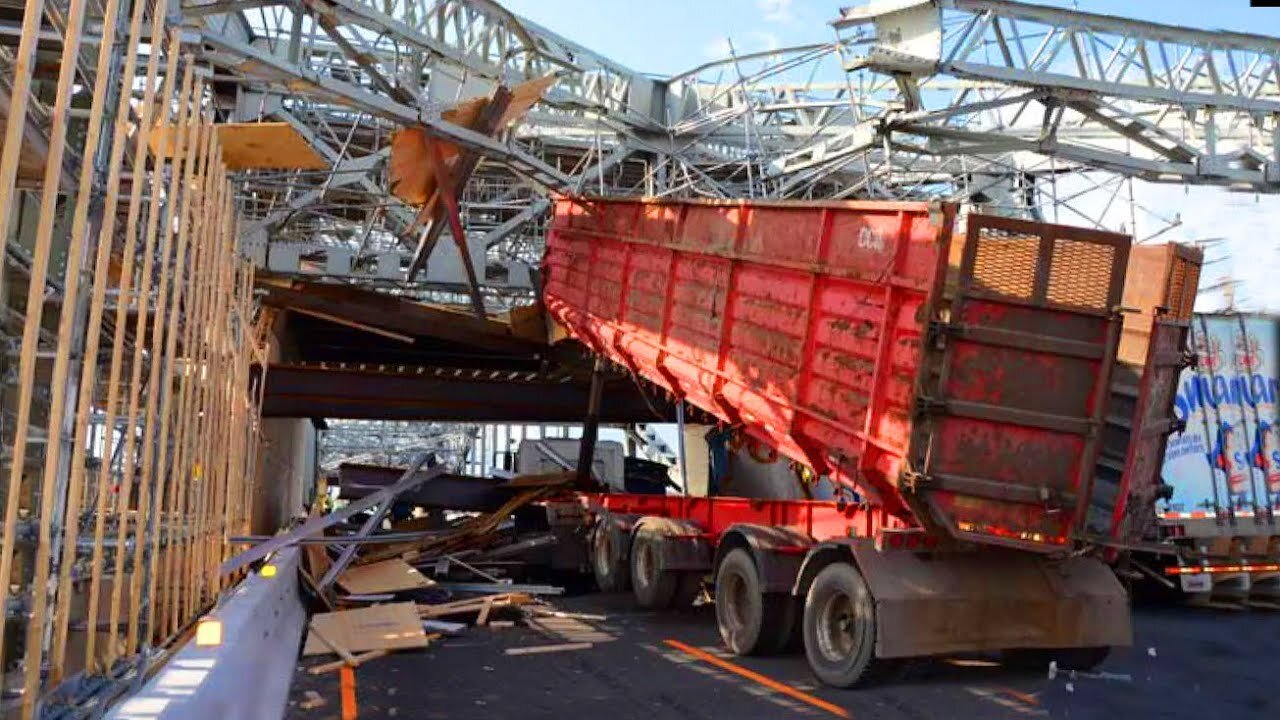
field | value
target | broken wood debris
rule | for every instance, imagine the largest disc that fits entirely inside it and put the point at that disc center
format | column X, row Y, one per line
column 445, row 627
column 387, row 576
column 386, row 604
column 473, row 605
column 356, row 661
column 318, row 523
column 539, row 649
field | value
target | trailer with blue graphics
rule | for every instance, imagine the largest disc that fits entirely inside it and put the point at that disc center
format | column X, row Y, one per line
column 1222, row 471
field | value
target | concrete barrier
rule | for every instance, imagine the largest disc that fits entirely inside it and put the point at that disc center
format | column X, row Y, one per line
column 247, row 672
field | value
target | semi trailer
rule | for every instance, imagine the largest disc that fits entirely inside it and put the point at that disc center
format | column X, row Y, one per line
column 1222, row 471
column 953, row 378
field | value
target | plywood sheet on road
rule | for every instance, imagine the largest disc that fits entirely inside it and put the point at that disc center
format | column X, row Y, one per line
column 382, row 627
column 382, row 577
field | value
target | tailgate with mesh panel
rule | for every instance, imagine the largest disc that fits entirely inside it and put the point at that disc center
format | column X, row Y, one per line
column 1010, row 404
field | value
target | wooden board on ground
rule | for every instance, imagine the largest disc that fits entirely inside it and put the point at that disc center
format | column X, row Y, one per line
column 474, row 605
column 381, row 627
column 382, row 577
column 540, row 649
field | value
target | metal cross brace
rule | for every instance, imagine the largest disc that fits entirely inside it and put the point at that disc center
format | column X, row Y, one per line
column 408, row 481
column 375, row 520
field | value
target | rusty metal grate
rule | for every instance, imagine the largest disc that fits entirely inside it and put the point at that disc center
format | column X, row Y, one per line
column 1043, row 264
column 1080, row 274
column 1005, row 263
column 1182, row 288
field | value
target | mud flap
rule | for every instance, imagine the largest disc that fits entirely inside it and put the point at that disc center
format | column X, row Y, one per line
column 955, row 602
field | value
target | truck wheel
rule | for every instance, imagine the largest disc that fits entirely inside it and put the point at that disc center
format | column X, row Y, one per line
column 608, row 558
column 654, row 589
column 840, row 627
column 751, row 622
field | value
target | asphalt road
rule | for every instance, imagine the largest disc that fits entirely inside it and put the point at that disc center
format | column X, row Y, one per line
column 1186, row 663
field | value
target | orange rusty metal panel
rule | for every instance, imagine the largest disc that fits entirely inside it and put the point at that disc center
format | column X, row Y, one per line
column 814, row 326
column 1159, row 294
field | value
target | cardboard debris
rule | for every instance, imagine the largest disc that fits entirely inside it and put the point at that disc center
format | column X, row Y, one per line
column 382, row 627
column 382, row 577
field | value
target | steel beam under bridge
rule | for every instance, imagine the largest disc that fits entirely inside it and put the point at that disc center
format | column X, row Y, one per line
column 448, row 395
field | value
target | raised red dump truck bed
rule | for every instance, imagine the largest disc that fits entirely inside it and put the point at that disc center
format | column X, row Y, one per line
column 958, row 381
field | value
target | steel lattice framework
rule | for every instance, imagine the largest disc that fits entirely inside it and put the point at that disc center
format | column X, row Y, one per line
column 981, row 100
column 987, row 102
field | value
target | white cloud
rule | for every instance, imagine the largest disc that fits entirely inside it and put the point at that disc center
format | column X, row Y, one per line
column 776, row 11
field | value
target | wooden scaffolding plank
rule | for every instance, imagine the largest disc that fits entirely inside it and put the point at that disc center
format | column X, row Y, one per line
column 197, row 141
column 178, row 181
column 93, row 332
column 62, row 357
column 10, row 157
column 125, row 284
column 186, row 293
column 140, row 324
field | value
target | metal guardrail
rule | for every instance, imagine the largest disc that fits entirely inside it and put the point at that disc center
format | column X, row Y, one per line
column 240, row 662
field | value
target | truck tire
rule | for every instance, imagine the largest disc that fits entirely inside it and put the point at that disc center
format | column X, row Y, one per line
column 840, row 627
column 609, row 557
column 751, row 622
column 654, row 589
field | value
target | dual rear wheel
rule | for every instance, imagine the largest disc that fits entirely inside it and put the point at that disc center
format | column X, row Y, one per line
column 751, row 622
column 621, row 561
column 837, row 623
column 653, row 587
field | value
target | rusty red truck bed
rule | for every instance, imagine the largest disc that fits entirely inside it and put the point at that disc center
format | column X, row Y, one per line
column 958, row 381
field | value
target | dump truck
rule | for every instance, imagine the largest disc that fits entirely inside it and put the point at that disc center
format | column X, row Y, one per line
column 1222, row 471
column 952, row 378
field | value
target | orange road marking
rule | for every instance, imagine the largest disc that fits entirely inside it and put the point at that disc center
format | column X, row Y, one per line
column 758, row 678
column 347, row 684
column 1024, row 697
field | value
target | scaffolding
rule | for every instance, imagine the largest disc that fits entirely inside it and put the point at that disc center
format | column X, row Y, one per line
column 130, row 413
column 133, row 349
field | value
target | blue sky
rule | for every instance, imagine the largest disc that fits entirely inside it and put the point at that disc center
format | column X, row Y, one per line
column 665, row 37
column 669, row 36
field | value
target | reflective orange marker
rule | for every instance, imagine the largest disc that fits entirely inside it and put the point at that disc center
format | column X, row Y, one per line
column 757, row 678
column 347, row 680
